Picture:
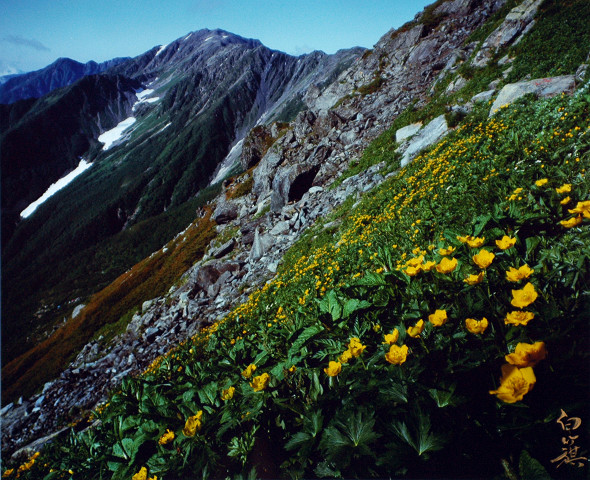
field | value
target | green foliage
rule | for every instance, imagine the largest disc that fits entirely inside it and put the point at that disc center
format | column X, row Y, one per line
column 371, row 87
column 557, row 44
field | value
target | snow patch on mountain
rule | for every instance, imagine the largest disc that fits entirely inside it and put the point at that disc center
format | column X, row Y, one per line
column 111, row 136
column 55, row 187
column 162, row 48
column 228, row 162
column 142, row 97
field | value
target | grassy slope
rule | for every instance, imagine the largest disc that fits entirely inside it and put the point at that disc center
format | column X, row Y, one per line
column 431, row 415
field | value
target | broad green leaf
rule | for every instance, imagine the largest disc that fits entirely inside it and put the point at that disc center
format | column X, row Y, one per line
column 330, row 304
column 531, row 468
column 304, row 337
column 352, row 305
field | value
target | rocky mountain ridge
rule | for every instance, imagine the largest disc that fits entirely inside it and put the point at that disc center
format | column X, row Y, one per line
column 61, row 73
column 294, row 168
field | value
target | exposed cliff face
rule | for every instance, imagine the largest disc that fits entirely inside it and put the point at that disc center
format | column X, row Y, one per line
column 61, row 73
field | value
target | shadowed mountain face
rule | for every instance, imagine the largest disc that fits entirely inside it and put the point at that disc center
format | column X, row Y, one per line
column 189, row 102
column 61, row 73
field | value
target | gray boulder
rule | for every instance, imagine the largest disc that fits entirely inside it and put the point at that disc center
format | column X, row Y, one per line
column 483, row 96
column 407, row 131
column 429, row 135
column 223, row 250
column 542, row 87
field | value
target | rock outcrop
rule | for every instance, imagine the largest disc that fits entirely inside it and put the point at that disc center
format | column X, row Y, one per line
column 541, row 87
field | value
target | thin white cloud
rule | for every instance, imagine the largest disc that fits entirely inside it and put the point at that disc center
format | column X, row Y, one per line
column 26, row 42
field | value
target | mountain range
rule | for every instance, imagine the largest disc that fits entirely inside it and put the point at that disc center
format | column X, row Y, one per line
column 200, row 95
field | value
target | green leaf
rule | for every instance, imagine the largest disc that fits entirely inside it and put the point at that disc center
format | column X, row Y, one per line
column 352, row 305
column 304, row 337
column 531, row 468
column 119, row 452
column 329, row 304
column 370, row 279
column 482, row 221
column 209, row 394
column 442, row 397
column 297, row 441
column 422, row 440
column 130, row 447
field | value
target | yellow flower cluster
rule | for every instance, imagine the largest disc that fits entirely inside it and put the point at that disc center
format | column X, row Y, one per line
column 260, row 382
column 518, row 377
column 166, row 438
column 143, row 475
column 193, row 424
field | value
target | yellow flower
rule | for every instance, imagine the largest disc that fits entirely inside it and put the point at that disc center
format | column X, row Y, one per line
column 515, row 383
column 505, row 242
column 356, row 347
column 260, row 382
column 333, row 369
column 426, row 267
column 566, row 200
column 518, row 318
column 524, row 297
column 376, row 328
column 167, row 437
column 516, row 275
column 415, row 262
column 474, row 279
column 583, row 208
column 392, row 337
column 476, row 326
column 438, row 318
column 483, row 259
column 141, row 475
column 565, row 188
column 446, row 251
column 292, row 369
column 541, row 182
column 345, row 357
column 464, row 239
column 417, row 329
column 397, row 355
column 249, row 371
column 412, row 271
column 228, row 393
column 475, row 242
column 25, row 466
column 527, row 355
column 193, row 424
column 8, row 472
column 572, row 222
column 446, row 265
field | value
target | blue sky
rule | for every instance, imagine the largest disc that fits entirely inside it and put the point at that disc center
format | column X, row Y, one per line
column 34, row 33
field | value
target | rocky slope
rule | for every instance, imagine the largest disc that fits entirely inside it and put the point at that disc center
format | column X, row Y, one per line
column 289, row 192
